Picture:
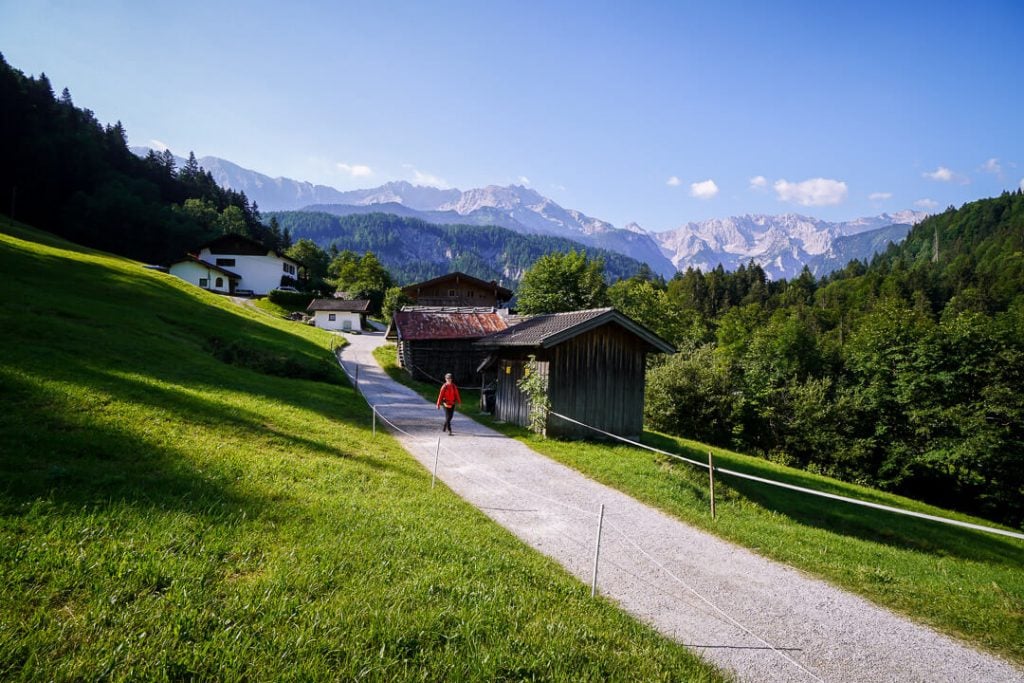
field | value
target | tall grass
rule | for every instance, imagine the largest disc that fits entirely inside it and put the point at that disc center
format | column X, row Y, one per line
column 966, row 583
column 189, row 489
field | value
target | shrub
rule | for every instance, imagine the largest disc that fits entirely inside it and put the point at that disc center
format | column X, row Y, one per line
column 293, row 301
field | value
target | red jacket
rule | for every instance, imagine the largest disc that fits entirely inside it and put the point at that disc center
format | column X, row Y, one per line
column 449, row 394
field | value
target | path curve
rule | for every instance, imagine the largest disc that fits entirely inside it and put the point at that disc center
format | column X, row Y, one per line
column 759, row 619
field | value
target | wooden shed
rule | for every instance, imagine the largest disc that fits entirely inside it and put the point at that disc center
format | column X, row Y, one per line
column 433, row 341
column 594, row 361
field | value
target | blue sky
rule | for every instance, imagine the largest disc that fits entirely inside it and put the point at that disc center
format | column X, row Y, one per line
column 659, row 113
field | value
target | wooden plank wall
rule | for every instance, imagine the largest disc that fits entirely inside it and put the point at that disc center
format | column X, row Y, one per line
column 428, row 361
column 510, row 403
column 598, row 378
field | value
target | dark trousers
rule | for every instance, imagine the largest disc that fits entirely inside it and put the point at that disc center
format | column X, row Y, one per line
column 448, row 412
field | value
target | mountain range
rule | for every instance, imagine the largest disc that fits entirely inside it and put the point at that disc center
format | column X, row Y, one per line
column 781, row 244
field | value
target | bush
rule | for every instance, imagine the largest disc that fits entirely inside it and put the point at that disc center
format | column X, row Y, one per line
column 293, row 301
column 274, row 364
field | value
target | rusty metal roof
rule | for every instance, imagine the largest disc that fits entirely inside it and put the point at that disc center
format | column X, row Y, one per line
column 419, row 325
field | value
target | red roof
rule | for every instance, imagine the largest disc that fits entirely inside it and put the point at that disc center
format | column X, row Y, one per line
column 423, row 325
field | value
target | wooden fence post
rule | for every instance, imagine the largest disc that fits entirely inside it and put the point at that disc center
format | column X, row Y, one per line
column 597, row 552
column 711, row 478
column 433, row 476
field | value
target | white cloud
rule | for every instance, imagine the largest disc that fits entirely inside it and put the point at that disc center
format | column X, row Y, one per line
column 523, row 180
column 673, row 181
column 945, row 175
column 158, row 146
column 811, row 192
column 556, row 186
column 429, row 179
column 880, row 196
column 992, row 166
column 1022, row 183
column 705, row 189
column 355, row 170
column 926, row 204
column 758, row 182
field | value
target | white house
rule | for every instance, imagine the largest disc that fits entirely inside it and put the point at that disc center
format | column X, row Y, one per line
column 236, row 263
column 338, row 314
column 206, row 275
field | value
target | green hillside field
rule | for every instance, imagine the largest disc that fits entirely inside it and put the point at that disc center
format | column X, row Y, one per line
column 189, row 489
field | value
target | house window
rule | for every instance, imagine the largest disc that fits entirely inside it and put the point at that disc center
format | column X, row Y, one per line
column 470, row 294
column 204, row 282
column 451, row 292
column 332, row 316
column 289, row 268
column 219, row 283
column 225, row 262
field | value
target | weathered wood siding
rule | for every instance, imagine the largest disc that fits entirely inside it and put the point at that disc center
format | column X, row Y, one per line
column 598, row 379
column 428, row 361
column 510, row 404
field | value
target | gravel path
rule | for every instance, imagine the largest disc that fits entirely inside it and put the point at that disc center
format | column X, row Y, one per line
column 758, row 619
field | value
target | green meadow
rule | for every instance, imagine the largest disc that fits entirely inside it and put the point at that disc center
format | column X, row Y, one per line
column 966, row 583
column 189, row 489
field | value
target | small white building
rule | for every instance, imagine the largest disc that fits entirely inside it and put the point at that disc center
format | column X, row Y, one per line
column 237, row 263
column 206, row 275
column 339, row 314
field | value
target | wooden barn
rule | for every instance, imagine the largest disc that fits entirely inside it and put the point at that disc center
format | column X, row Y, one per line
column 595, row 364
column 458, row 289
column 435, row 340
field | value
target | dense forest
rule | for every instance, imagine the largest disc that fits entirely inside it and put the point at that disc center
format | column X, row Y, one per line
column 906, row 373
column 65, row 172
column 414, row 250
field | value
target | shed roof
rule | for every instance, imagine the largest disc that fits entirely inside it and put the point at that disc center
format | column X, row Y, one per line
column 354, row 306
column 421, row 323
column 503, row 293
column 551, row 329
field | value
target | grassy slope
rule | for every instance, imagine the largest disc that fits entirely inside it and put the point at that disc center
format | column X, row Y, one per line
column 174, row 503
column 963, row 582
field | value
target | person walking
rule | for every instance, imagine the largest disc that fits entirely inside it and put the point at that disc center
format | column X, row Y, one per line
column 448, row 397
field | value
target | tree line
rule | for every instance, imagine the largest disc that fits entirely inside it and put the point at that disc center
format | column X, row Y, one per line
column 65, row 172
column 905, row 373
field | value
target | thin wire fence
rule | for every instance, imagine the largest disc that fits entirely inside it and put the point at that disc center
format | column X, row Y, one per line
column 793, row 487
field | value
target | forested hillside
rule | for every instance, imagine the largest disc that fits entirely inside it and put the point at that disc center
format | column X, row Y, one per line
column 65, row 172
column 906, row 373
column 414, row 250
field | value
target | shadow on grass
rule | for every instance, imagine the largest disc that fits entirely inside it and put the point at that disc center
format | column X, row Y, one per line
column 48, row 451
column 846, row 519
column 54, row 447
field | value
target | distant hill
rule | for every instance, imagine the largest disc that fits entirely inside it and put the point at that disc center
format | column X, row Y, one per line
column 413, row 249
